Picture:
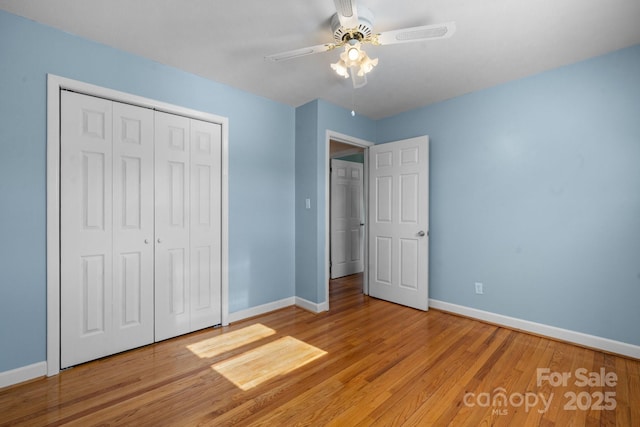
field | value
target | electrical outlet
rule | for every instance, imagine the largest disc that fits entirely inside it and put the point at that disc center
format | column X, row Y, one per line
column 478, row 288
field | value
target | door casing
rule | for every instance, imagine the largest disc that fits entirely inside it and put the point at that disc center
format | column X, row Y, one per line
column 346, row 139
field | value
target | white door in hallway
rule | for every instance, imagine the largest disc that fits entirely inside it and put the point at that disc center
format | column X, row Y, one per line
column 106, row 227
column 399, row 222
column 347, row 218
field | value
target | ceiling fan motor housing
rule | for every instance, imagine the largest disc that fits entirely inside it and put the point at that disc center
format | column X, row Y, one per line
column 364, row 29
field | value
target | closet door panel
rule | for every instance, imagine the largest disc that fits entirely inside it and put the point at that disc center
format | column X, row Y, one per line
column 133, row 228
column 140, row 226
column 205, row 224
column 86, row 244
column 172, row 248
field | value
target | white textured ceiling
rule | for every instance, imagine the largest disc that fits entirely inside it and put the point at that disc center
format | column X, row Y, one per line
column 226, row 41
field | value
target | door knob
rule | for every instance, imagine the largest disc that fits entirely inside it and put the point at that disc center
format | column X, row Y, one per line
column 159, row 241
column 421, row 233
column 146, row 241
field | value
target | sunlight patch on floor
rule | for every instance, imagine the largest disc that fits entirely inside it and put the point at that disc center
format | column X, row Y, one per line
column 230, row 340
column 267, row 361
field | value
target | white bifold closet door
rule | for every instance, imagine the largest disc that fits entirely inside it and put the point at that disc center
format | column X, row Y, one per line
column 106, row 227
column 140, row 226
column 188, row 165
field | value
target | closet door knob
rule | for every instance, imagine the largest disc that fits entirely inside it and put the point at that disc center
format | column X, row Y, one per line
column 421, row 233
column 159, row 241
column 146, row 241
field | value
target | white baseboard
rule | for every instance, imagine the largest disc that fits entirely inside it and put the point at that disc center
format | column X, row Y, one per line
column 276, row 305
column 24, row 373
column 591, row 341
column 312, row 306
column 261, row 309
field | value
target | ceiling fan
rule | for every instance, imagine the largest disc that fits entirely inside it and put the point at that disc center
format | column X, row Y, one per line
column 352, row 27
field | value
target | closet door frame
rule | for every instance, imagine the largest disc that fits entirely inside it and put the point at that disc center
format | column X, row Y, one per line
column 54, row 85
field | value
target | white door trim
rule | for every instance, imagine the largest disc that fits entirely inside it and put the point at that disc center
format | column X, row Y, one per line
column 54, row 85
column 336, row 136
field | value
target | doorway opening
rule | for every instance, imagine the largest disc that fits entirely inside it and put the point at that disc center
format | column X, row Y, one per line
column 352, row 149
column 346, row 207
column 347, row 291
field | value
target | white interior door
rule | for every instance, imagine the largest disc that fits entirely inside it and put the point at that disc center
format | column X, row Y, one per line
column 140, row 229
column 133, row 226
column 188, row 220
column 105, row 215
column 172, row 270
column 86, row 285
column 205, row 239
column 399, row 222
column 347, row 218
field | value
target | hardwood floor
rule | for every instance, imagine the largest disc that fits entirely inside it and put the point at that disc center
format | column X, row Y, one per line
column 366, row 362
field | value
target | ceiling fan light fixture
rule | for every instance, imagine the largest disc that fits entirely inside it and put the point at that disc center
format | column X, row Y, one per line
column 354, row 58
column 341, row 69
column 353, row 53
column 367, row 64
column 352, row 27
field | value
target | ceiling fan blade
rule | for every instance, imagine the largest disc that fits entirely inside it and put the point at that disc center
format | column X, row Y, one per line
column 357, row 80
column 283, row 56
column 415, row 34
column 347, row 13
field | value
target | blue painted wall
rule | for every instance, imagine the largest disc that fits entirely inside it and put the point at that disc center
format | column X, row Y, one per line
column 534, row 186
column 535, row 191
column 312, row 122
column 306, row 219
column 261, row 172
column 355, row 158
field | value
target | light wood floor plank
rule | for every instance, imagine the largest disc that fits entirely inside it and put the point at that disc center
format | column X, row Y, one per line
column 366, row 362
